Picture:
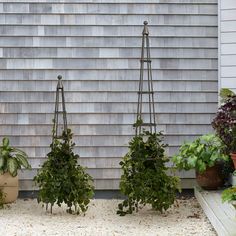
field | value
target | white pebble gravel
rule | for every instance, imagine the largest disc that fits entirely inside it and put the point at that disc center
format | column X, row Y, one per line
column 27, row 218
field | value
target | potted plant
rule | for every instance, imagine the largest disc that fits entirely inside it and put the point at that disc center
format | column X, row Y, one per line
column 229, row 195
column 144, row 179
column 233, row 144
column 11, row 160
column 62, row 180
column 205, row 156
column 225, row 126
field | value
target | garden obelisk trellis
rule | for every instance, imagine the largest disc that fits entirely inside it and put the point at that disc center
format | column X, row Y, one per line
column 60, row 100
column 146, row 86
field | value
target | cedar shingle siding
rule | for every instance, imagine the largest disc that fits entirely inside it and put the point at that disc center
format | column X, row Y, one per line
column 95, row 46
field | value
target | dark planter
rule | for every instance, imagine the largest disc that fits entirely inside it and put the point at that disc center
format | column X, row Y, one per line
column 211, row 179
column 233, row 157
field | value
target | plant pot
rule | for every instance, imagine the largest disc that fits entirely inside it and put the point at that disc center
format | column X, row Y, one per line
column 211, row 179
column 232, row 180
column 9, row 186
column 233, row 157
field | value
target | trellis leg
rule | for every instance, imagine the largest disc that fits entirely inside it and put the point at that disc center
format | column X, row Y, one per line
column 59, row 93
column 146, row 58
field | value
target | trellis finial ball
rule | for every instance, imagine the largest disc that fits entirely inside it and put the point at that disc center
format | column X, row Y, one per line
column 59, row 77
column 145, row 22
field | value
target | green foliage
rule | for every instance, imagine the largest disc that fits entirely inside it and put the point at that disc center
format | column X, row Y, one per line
column 12, row 159
column 225, row 124
column 144, row 179
column 229, row 194
column 2, row 198
column 225, row 93
column 138, row 122
column 203, row 152
column 61, row 179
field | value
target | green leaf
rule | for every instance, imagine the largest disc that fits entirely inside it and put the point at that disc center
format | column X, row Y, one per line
column 23, row 161
column 225, row 93
column 229, row 194
column 1, row 161
column 5, row 142
column 12, row 166
column 192, row 161
column 214, row 157
column 200, row 166
column 5, row 153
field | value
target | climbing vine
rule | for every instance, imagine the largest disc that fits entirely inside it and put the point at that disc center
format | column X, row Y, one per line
column 62, row 179
column 144, row 179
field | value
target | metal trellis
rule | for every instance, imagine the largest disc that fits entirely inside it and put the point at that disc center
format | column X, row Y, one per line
column 146, row 85
column 60, row 111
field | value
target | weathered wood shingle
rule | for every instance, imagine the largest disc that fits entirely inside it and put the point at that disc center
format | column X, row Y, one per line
column 95, row 46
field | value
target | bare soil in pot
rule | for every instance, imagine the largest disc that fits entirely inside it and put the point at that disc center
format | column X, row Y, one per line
column 9, row 186
column 211, row 179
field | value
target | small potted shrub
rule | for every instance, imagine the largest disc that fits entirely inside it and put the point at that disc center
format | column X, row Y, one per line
column 62, row 180
column 205, row 156
column 11, row 160
column 229, row 195
column 144, row 179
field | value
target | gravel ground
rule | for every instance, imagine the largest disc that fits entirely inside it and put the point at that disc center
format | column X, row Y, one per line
column 27, row 218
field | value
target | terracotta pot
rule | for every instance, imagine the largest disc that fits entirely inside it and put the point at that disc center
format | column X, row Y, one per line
column 233, row 157
column 9, row 186
column 211, row 179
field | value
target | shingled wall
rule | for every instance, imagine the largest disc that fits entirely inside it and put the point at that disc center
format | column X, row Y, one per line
column 95, row 46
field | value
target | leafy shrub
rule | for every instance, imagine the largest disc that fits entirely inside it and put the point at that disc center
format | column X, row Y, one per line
column 61, row 179
column 12, row 159
column 144, row 180
column 229, row 195
column 225, row 124
column 203, row 152
column 225, row 93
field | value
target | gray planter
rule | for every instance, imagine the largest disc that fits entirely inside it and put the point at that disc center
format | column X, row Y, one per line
column 232, row 180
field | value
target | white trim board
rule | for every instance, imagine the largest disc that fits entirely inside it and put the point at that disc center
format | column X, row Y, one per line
column 222, row 216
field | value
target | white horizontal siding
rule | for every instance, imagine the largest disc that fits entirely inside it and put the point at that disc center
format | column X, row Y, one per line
column 227, row 44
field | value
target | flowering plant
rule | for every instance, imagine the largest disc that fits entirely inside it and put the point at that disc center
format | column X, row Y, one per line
column 225, row 124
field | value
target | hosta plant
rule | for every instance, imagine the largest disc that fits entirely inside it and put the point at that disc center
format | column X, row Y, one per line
column 229, row 195
column 12, row 159
column 144, row 179
column 201, row 153
column 62, row 180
